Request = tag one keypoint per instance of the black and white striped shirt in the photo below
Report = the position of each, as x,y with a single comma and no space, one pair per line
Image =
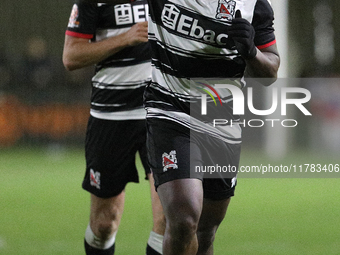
120,80
190,47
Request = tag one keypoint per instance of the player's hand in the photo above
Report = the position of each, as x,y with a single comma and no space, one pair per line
243,33
137,34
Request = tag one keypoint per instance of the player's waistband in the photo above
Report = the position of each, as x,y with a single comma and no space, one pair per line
230,134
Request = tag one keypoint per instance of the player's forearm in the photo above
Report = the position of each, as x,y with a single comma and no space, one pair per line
264,65
79,53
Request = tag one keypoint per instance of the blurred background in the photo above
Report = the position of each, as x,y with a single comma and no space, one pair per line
43,117
40,102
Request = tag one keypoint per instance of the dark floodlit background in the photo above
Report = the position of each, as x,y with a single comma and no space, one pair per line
43,117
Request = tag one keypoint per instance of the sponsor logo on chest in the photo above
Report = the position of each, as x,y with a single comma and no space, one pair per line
195,26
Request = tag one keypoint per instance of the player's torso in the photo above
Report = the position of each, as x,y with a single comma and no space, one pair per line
120,80
191,47
194,34
116,19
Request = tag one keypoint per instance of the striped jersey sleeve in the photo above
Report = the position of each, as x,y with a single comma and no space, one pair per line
83,20
262,22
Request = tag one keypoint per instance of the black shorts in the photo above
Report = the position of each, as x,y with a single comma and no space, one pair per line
111,148
174,151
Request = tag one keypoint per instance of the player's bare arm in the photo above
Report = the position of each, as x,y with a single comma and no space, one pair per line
264,65
80,52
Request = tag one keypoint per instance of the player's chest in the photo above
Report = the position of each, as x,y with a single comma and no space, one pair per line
219,10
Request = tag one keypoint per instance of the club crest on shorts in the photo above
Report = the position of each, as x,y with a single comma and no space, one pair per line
233,182
225,9
169,161
95,179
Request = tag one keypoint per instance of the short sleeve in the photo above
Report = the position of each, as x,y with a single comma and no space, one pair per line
262,22
83,20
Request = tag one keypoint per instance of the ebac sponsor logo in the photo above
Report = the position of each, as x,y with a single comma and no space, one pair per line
189,25
128,14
